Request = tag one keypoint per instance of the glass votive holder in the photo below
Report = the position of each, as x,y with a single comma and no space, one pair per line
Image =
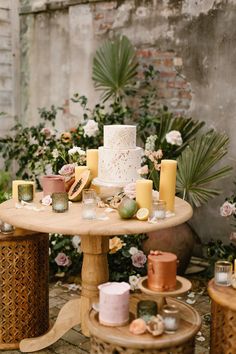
7,228
158,210
146,309
223,273
171,318
26,192
60,202
89,204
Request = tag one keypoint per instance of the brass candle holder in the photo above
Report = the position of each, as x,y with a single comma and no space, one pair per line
146,309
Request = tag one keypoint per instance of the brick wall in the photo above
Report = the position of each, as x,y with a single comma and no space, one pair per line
191,43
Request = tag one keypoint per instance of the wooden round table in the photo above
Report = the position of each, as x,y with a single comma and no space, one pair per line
223,322
95,246
119,340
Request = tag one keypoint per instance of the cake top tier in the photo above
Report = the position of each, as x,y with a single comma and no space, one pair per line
120,136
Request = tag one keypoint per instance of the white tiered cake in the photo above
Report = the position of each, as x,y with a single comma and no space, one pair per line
119,158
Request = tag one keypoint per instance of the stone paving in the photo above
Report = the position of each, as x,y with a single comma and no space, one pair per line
74,342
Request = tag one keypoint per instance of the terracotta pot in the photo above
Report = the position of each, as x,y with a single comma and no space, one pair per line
53,184
178,240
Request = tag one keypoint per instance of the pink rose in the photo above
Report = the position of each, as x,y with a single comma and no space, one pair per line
67,170
62,260
232,237
143,170
47,132
227,209
139,259
158,154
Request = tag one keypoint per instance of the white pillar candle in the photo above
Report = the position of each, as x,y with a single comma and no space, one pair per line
222,277
170,323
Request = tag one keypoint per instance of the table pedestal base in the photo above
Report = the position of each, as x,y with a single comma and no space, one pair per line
74,312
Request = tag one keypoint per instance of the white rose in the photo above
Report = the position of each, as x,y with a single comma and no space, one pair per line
91,128
75,150
133,280
227,209
55,153
174,138
133,250
76,240
47,200
48,169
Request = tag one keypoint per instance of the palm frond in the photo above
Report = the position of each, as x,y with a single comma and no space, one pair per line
196,167
114,67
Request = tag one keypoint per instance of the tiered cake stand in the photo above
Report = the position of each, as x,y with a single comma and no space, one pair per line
183,285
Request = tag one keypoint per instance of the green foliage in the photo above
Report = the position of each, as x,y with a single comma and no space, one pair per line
217,250
4,186
114,68
195,167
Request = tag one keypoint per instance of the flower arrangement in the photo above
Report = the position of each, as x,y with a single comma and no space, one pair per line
65,256
228,210
127,262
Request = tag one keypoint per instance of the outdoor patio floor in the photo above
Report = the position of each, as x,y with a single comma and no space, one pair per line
74,342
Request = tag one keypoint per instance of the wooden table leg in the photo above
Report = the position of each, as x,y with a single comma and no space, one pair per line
94,272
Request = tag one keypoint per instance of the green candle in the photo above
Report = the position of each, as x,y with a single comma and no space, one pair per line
26,192
60,202
146,309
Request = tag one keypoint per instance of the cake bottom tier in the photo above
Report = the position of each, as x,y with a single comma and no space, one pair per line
119,167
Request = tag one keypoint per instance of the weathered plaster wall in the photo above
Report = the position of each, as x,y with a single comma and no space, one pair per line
192,43
7,81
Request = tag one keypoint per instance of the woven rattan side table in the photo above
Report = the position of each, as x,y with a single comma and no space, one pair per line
24,310
118,340
223,323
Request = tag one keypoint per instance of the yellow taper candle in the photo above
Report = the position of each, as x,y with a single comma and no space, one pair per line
79,170
92,161
168,183
15,185
235,266
144,193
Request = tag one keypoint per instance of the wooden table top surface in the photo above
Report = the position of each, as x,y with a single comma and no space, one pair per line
71,222
222,295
